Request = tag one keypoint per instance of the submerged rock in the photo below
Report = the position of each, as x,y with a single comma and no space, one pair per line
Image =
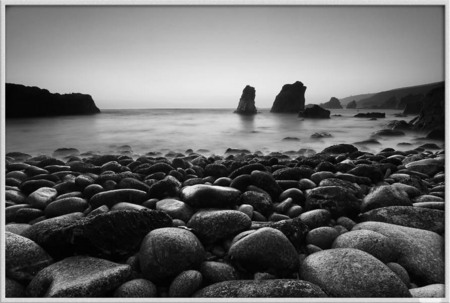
291,99
315,112
370,115
247,102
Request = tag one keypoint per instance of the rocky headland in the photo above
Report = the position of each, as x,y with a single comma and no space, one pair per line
26,101
338,223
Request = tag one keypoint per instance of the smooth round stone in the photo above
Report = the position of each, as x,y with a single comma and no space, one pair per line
23,257
275,217
15,196
261,203
14,289
376,244
246,209
427,166
176,209
41,197
273,288
284,206
312,249
204,196
65,206
321,175
410,216
266,182
27,215
111,197
30,186
131,183
17,228
429,291
223,181
185,284
11,211
347,272
77,194
420,252
90,190
101,210
383,196
84,180
127,206
213,225
346,222
137,288
79,276
400,271
322,237
214,272
295,211
292,173
166,252
316,218
19,175
430,205
368,171
339,201
428,198
340,229
305,184
247,169
410,190
264,250
353,187
295,194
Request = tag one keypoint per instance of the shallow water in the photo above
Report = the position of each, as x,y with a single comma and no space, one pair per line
215,130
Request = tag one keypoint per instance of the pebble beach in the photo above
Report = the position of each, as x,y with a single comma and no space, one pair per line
340,222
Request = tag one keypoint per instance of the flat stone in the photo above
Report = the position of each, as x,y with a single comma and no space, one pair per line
204,196
429,291
385,195
348,272
41,197
23,258
79,276
420,252
175,208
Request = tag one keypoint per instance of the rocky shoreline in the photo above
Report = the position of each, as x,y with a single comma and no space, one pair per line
339,223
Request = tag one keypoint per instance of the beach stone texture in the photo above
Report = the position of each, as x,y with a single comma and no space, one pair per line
276,288
383,196
79,276
347,272
210,196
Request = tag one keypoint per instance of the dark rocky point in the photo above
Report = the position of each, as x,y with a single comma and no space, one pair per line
291,99
370,115
247,102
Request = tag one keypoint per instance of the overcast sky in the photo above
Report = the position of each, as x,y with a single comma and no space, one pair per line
203,56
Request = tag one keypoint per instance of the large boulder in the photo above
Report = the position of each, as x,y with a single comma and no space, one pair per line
315,112
348,272
333,103
276,288
351,104
427,166
204,196
339,201
291,99
79,276
26,101
247,102
385,195
420,252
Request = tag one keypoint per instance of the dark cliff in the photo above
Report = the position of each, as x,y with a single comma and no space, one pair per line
26,101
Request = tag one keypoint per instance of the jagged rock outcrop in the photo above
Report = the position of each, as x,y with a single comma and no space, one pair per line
412,104
351,104
315,112
291,99
332,104
246,104
26,101
432,115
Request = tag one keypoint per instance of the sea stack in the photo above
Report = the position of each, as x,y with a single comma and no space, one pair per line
351,104
291,99
26,101
247,102
334,103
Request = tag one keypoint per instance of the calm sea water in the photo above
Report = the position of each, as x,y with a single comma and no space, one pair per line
215,130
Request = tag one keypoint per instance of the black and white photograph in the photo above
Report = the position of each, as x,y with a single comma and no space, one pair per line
165,151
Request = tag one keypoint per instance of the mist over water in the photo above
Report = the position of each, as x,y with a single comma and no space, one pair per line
215,130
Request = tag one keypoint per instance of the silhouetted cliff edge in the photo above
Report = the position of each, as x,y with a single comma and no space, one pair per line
27,101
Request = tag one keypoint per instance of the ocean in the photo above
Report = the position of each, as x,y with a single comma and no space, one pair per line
209,131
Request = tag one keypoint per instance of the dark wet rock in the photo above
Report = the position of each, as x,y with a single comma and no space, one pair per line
340,149
322,236
294,229
370,171
291,139
65,206
14,289
291,99
412,104
420,252
385,195
131,183
334,103
111,197
204,196
79,276
23,257
347,272
376,244
354,188
321,135
216,170
260,202
316,218
246,104
15,196
276,288
266,182
127,206
247,170
388,133
432,114
416,217
137,288
185,284
400,272
175,209
337,200
215,272
399,125
315,112
351,104
166,252
370,115
17,228
368,141
429,291
26,215
430,205
427,166
436,134
30,186
213,225
292,173
295,194
166,188
265,250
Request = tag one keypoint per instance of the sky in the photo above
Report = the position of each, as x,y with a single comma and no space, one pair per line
204,56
